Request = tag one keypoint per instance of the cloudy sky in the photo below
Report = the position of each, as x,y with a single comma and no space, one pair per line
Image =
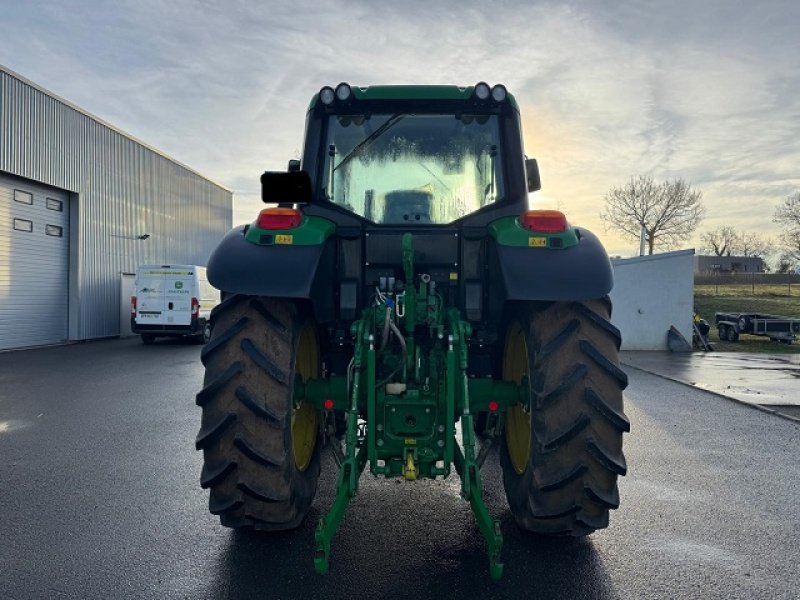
708,91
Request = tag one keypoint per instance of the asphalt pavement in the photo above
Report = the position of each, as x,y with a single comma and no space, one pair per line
765,381
100,498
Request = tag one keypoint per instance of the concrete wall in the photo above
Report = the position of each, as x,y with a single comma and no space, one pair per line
652,293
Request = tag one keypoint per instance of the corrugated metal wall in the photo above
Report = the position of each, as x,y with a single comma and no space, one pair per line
122,189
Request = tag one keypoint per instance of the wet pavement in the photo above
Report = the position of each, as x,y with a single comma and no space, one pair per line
100,498
769,382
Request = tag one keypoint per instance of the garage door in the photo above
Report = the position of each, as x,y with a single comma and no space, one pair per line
34,264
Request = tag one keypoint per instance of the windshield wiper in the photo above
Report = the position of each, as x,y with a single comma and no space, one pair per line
395,118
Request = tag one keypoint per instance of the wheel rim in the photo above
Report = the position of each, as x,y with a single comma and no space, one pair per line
518,418
305,418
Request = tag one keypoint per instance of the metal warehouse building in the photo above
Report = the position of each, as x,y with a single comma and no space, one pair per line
82,204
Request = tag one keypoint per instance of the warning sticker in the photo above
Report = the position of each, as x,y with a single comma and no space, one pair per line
537,242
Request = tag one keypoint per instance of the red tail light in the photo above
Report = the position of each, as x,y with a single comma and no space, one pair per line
279,218
544,221
195,308
133,306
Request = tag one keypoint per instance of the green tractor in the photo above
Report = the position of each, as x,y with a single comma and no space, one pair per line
402,306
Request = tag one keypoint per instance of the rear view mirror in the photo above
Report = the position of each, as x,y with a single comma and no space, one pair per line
532,173
280,187
294,165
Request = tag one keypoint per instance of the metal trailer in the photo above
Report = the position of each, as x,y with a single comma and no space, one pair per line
775,327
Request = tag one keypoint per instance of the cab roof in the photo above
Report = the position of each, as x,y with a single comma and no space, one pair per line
413,92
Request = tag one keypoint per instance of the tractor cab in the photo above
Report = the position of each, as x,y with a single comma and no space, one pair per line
415,155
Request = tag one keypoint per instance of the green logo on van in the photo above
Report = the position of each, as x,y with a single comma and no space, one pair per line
178,285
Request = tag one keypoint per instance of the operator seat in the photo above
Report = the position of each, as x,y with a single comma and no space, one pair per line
407,206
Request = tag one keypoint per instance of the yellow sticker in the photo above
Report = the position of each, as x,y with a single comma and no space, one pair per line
537,242
410,441
284,239
454,276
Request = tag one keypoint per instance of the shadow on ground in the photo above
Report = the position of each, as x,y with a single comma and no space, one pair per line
411,540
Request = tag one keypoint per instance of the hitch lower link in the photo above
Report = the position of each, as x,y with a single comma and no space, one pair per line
359,451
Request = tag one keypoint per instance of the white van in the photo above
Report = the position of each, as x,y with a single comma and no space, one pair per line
172,300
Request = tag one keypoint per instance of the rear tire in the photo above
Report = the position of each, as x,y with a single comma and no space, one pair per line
205,337
744,323
731,334
562,454
260,450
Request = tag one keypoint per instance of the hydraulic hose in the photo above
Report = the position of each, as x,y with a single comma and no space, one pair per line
386,324
400,339
399,366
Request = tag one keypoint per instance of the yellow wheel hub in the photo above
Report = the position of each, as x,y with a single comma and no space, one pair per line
305,418
518,417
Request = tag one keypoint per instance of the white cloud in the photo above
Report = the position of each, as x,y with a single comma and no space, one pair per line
709,92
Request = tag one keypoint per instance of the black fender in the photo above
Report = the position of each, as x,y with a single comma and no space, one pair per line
580,272
237,266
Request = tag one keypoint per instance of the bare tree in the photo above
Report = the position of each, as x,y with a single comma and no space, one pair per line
722,241
788,216
790,243
753,244
784,265
788,213
668,212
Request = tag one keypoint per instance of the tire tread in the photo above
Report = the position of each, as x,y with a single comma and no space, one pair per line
577,417
246,401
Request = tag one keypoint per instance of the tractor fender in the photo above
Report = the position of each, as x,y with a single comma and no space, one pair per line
237,266
580,272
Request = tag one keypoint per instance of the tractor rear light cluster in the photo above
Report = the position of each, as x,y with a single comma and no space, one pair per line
482,92
343,93
279,218
327,95
544,221
499,93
